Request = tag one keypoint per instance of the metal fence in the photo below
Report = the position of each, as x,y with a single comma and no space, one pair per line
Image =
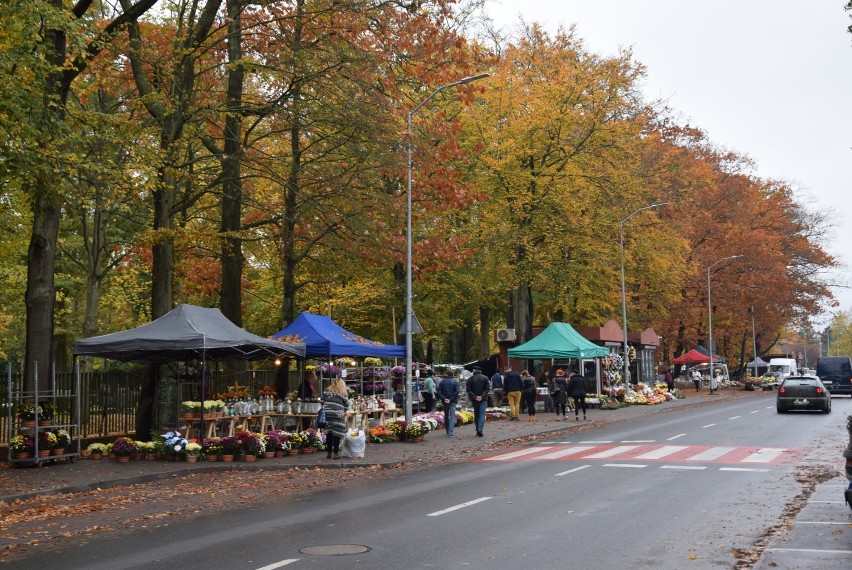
108,400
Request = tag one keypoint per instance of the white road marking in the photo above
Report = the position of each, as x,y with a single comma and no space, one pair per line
707,426
755,412
746,469
633,465
638,441
845,523
676,436
572,470
765,455
830,502
611,451
735,417
694,467
711,454
516,454
597,442
457,507
279,564
661,452
566,452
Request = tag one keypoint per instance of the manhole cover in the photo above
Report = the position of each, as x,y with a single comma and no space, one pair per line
335,549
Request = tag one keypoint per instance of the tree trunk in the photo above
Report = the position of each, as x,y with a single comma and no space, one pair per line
41,293
484,332
232,192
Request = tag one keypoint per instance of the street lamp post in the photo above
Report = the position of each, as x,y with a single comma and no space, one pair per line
409,311
710,315
623,291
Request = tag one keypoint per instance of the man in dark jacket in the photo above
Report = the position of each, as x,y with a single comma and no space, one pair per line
477,391
448,394
577,390
513,384
497,389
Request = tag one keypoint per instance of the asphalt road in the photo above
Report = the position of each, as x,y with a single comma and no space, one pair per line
701,488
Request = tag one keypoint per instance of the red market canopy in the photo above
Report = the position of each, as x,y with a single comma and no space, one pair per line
693,357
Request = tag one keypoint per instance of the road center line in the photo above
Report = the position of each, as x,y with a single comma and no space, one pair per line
707,426
597,442
275,565
735,417
638,441
693,467
676,436
755,412
633,465
746,469
572,470
457,507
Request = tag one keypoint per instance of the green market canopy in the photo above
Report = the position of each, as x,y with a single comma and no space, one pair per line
558,340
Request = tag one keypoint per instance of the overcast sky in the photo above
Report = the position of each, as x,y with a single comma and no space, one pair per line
768,79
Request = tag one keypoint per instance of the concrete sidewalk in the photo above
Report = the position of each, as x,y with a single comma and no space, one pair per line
20,483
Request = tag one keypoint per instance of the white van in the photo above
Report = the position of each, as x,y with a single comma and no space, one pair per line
781,368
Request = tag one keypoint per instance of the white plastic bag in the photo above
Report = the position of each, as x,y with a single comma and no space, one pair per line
354,444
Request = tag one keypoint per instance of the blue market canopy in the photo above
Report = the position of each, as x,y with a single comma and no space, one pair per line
184,333
558,340
323,337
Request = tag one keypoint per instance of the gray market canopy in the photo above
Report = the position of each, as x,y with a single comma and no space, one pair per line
184,333
558,340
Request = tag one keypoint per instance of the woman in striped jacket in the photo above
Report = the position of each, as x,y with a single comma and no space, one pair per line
335,403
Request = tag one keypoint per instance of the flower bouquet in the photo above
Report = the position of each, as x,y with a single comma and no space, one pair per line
312,439
173,443
415,431
27,411
397,427
211,446
96,450
22,445
124,447
381,434
63,438
230,445
46,440
250,443
273,441
148,449
192,449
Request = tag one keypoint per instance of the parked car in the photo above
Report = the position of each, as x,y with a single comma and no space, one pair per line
803,393
836,373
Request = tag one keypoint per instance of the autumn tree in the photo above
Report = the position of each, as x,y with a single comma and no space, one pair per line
52,43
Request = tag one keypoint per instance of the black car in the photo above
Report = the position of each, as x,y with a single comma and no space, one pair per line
803,393
836,373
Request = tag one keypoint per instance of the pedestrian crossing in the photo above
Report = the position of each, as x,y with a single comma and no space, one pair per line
689,454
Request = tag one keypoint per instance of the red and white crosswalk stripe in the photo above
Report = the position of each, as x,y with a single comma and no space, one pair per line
654,452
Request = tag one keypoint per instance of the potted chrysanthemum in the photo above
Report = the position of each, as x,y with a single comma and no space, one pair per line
123,448
22,446
192,451
96,450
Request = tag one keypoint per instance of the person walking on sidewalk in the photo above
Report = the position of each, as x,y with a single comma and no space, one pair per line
577,389
335,403
448,394
497,389
428,393
513,385
477,391
559,394
528,394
